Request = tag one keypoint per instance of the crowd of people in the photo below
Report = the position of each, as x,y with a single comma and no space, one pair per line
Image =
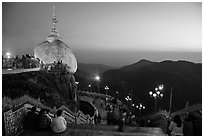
42,121
55,66
123,117
26,61
177,126
190,126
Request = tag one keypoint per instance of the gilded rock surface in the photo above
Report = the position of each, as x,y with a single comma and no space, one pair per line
53,51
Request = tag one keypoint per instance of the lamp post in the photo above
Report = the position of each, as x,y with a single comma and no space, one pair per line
129,99
106,88
140,107
89,87
97,78
156,94
117,94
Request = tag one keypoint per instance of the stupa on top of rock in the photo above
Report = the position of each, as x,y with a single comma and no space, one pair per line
54,50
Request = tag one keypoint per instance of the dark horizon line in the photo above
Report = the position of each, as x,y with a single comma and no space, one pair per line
139,61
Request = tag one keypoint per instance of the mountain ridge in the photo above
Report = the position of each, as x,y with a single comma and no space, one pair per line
184,76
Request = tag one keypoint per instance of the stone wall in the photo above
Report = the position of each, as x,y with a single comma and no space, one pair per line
13,120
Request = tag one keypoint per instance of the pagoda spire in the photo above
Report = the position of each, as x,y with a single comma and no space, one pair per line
53,33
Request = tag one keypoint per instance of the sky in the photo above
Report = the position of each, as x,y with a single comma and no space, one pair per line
114,34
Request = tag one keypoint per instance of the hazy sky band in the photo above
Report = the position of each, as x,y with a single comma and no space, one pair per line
91,28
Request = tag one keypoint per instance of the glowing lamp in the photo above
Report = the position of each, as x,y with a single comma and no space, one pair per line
97,78
161,87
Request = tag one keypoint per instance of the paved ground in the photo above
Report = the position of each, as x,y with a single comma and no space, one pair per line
98,130
15,71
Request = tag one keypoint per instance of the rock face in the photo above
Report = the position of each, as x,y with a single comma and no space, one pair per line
53,89
53,51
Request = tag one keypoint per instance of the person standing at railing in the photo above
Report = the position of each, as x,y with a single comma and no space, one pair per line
96,116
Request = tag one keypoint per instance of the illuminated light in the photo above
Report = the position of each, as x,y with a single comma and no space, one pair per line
158,92
161,95
140,105
116,92
161,87
133,104
143,107
156,89
8,54
106,88
89,85
77,82
126,98
154,95
97,78
137,106
150,93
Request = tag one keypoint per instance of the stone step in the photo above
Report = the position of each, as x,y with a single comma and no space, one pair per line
114,128
98,130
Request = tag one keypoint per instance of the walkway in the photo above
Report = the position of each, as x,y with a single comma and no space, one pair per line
15,71
98,130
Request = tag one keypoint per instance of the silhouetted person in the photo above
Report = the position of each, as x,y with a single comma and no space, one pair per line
30,121
142,122
96,116
47,114
149,124
113,117
99,119
44,121
176,126
127,119
109,117
121,120
192,125
132,120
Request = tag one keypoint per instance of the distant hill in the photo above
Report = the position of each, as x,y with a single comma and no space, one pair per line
138,65
93,68
184,77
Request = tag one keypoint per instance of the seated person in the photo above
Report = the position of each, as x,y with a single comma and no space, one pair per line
30,121
59,123
47,113
44,121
